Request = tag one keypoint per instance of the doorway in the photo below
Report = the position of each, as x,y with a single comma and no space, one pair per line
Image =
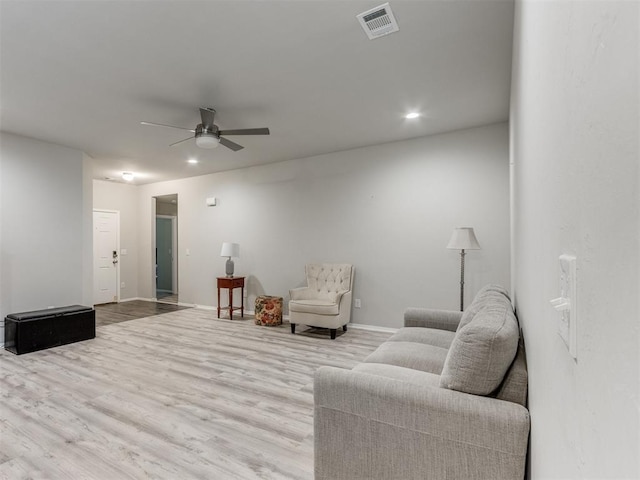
106,262
166,248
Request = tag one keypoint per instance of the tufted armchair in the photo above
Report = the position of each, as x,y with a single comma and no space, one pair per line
326,301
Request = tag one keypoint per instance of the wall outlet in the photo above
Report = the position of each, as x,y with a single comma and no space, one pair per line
122,285
358,303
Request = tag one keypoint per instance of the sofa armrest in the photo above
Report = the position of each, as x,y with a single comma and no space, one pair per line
369,426
429,318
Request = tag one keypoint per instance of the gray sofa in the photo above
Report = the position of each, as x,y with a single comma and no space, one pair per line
443,398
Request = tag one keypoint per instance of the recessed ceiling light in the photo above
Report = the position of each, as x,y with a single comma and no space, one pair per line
412,115
192,160
128,176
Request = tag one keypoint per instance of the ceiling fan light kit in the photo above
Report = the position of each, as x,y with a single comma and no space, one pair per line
207,141
208,135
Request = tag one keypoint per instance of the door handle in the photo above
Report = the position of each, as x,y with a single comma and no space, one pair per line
115,257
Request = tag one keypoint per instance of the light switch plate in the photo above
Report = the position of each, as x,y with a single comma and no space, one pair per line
568,316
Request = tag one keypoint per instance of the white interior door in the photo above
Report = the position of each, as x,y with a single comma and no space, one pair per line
105,256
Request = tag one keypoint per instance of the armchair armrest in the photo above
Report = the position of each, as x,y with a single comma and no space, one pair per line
369,426
430,318
302,293
337,296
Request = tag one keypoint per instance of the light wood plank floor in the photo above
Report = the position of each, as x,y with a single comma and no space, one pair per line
179,395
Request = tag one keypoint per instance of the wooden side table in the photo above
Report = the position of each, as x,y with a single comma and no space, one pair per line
230,283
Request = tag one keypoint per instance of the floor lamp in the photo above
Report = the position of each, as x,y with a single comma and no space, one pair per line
463,239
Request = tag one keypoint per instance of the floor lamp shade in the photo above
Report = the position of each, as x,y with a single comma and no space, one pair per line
230,250
463,238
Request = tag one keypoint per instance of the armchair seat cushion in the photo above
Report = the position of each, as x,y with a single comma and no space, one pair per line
426,358
316,306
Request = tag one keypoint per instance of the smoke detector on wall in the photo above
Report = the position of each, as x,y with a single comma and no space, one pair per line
378,21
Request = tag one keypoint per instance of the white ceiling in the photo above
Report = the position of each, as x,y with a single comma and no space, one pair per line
84,74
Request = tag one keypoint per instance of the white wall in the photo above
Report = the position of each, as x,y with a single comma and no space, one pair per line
576,190
45,202
124,199
388,209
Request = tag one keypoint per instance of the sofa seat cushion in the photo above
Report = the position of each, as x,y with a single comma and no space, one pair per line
418,356
317,306
482,351
428,336
403,374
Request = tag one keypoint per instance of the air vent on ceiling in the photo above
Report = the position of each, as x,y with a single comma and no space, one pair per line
378,21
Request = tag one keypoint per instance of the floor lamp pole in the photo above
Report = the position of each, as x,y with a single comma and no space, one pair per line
463,239
462,254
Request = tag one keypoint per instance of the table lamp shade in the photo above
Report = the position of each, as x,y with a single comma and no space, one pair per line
230,250
463,238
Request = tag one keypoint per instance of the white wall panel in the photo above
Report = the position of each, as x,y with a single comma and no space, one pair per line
388,209
576,191
45,197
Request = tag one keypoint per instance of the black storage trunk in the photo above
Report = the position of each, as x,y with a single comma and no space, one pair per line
30,331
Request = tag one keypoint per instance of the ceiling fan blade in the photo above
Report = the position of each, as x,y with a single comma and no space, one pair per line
207,115
176,143
229,144
246,131
170,126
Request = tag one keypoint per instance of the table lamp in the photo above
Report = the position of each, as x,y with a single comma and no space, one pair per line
230,250
463,238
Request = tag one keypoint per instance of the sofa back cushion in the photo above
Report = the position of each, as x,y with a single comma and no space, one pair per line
487,294
514,386
482,351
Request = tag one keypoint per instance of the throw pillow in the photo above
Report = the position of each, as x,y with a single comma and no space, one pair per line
482,351
486,294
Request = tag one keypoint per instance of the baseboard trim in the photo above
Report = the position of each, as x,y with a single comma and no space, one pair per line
122,300
372,328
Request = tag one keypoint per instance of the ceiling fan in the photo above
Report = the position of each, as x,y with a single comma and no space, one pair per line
208,135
